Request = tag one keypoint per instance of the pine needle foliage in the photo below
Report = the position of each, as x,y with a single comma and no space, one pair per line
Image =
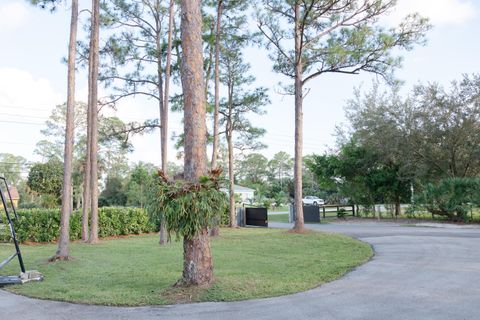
186,207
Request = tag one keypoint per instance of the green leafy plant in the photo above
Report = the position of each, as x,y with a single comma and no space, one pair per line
341,213
451,198
267,203
186,207
411,211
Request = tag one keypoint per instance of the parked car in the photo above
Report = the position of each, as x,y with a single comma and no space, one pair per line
312,200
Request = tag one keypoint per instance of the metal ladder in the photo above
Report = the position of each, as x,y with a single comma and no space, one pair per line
10,279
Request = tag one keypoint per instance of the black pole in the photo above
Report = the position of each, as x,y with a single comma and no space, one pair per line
12,229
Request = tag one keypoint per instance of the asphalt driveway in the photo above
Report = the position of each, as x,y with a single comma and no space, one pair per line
417,273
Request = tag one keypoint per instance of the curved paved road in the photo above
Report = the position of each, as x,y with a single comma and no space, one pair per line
417,273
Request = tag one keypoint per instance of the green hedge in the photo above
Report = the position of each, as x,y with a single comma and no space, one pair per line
43,225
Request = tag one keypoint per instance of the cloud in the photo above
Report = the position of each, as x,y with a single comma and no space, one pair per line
23,94
440,12
13,15
25,103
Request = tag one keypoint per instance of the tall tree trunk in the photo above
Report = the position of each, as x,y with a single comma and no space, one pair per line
198,265
87,196
163,102
217,85
161,99
79,203
67,196
167,89
163,126
398,209
298,167
86,201
71,186
231,190
208,72
93,101
216,229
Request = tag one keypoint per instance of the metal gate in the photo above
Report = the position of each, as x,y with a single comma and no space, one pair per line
310,214
256,217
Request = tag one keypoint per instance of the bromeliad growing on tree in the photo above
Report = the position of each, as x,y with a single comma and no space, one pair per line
188,208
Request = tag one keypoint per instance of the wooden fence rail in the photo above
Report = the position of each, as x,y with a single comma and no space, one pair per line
350,208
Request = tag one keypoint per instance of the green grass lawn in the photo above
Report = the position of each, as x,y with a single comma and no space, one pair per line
249,263
280,209
284,218
278,217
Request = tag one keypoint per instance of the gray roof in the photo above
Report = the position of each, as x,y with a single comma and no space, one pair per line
238,188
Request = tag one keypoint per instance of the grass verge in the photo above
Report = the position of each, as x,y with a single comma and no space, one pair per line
284,218
249,263
278,217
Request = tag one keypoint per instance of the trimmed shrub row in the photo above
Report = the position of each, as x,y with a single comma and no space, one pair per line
43,225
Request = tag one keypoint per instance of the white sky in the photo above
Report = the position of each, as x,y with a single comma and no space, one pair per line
33,78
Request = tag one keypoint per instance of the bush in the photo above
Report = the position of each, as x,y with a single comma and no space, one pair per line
28,205
341,213
267,203
43,225
187,208
451,198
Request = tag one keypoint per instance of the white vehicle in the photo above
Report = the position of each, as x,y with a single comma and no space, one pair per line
311,200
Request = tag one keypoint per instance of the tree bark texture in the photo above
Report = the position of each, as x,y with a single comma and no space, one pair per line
67,196
86,199
164,116
398,207
93,101
298,167
87,196
161,99
198,265
161,107
210,61
231,190
164,111
229,127
217,85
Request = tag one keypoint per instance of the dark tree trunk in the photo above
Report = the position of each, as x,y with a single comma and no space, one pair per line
67,196
198,265
398,208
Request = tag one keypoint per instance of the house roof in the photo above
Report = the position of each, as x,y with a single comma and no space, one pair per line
238,188
13,193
